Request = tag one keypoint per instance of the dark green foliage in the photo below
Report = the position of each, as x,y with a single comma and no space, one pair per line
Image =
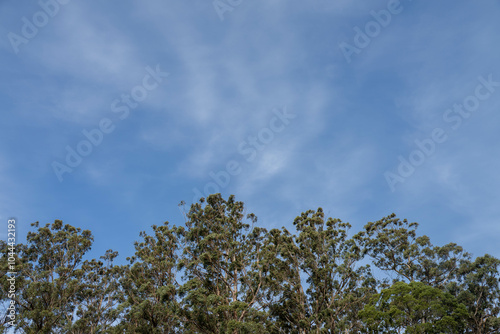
218,274
415,308
150,285
53,284
395,246
223,270
315,277
479,290
101,294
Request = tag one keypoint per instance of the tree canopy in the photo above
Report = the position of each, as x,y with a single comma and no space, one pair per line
218,272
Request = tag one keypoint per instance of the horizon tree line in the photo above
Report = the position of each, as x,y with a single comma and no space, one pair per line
218,273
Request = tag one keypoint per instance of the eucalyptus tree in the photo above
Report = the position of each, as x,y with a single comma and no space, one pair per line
150,284
395,247
217,273
414,308
49,275
57,291
100,296
316,278
479,290
223,269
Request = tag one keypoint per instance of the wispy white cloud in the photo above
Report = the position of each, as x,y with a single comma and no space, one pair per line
352,120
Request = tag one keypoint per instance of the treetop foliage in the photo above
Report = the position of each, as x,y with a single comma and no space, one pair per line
218,273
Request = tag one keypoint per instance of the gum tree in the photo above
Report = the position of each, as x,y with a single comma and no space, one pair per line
316,280
479,290
56,290
101,295
414,308
222,266
49,277
150,286
395,247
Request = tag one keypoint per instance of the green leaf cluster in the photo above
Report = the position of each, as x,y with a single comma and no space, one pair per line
220,273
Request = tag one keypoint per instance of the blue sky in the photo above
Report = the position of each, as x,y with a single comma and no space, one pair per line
362,108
